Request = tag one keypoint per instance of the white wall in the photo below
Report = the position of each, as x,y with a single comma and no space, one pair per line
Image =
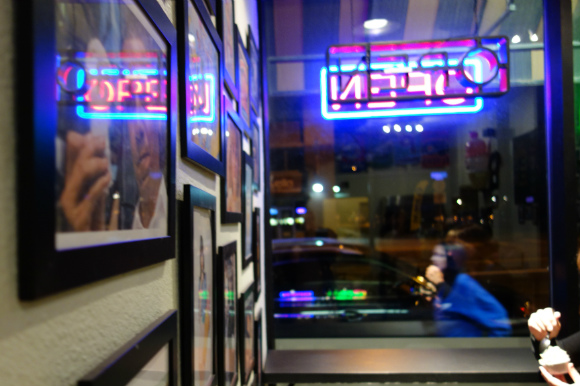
57,340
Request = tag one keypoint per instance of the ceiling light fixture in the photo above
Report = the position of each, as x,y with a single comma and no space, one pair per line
374,24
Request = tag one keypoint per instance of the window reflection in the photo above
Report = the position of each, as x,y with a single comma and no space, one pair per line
360,207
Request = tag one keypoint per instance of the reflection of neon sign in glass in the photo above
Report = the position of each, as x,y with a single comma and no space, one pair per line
101,89
419,78
202,98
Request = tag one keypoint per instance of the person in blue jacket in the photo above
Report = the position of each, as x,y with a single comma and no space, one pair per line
462,307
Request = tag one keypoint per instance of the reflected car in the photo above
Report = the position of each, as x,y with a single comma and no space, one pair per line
322,278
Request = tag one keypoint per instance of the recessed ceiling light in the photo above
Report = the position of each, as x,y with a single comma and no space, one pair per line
516,39
375,24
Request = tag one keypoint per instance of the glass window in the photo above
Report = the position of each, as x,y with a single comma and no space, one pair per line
398,195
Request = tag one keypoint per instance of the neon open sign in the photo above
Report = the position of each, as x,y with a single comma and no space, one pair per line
413,78
120,86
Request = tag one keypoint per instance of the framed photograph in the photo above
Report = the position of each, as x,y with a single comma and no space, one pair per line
246,322
200,87
197,289
256,151
257,253
149,359
226,24
248,199
258,349
255,76
227,330
232,210
97,139
243,80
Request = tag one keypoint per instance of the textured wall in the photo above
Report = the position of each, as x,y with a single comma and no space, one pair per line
55,341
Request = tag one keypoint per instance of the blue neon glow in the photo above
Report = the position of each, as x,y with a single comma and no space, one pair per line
151,116
126,72
80,98
438,176
147,71
391,112
81,75
94,72
301,210
212,115
273,212
110,71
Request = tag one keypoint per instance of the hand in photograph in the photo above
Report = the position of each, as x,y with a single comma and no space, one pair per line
86,182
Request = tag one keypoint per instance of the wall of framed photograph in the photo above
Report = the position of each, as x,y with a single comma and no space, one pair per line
232,206
228,308
200,74
247,334
226,24
97,142
243,80
197,289
248,200
148,359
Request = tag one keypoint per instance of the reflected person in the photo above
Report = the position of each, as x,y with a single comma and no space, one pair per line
462,307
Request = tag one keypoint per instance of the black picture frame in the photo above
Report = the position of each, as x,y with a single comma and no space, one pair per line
211,6
226,27
158,340
246,334
44,267
227,333
255,73
201,133
243,80
256,150
257,255
258,349
232,187
247,209
198,219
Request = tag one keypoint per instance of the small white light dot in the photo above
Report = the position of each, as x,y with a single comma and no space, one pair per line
375,23
516,39
204,130
459,201
493,198
408,128
534,37
387,129
318,188
505,198
419,128
397,128
336,188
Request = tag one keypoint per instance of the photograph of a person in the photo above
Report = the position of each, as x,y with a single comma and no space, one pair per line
233,167
203,369
111,143
202,87
230,336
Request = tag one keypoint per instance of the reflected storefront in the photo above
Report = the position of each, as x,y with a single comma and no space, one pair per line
409,167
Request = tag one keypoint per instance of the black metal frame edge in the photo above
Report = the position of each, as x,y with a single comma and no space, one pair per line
256,142
121,366
232,217
246,161
267,255
241,338
193,197
222,252
256,219
42,269
190,150
560,150
258,328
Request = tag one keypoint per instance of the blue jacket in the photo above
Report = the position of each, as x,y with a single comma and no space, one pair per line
469,310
